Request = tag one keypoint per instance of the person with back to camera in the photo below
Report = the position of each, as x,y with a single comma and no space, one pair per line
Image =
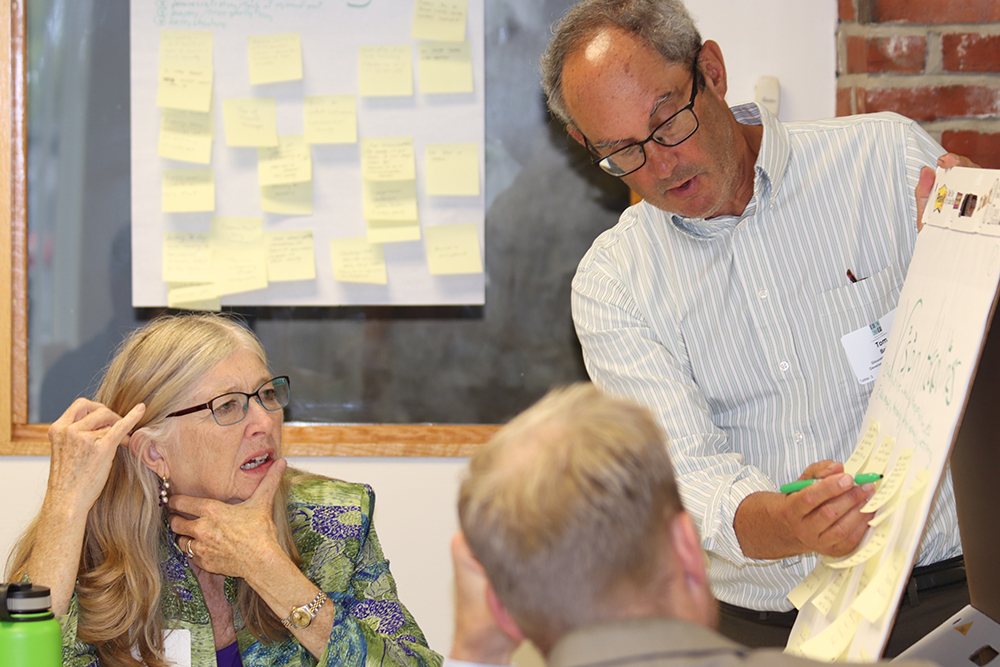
181,514
720,300
574,536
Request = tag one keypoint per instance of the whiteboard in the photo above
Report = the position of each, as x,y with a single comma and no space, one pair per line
331,32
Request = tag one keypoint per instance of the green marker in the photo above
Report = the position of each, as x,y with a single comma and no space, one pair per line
792,487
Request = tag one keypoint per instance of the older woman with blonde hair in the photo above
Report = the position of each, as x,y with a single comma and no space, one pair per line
176,529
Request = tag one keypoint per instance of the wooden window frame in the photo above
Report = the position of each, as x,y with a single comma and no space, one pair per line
17,436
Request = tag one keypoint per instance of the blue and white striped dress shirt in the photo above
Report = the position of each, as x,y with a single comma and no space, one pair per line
729,328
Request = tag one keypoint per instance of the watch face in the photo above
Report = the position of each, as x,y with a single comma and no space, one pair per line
301,618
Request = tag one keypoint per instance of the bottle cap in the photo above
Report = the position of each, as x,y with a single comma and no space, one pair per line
18,599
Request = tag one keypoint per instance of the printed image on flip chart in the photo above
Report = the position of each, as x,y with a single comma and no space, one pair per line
847,605
263,140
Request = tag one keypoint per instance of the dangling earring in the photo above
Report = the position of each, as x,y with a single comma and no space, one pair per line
164,490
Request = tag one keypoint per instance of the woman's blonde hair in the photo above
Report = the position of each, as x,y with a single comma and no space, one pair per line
119,579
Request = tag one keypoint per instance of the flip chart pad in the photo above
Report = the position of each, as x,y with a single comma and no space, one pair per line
452,169
330,119
444,67
358,261
385,71
275,58
250,121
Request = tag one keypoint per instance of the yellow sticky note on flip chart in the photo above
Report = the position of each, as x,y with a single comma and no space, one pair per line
444,67
238,254
187,257
358,261
387,159
385,71
186,190
290,255
390,200
453,249
193,296
891,483
250,121
287,198
185,70
440,19
393,232
274,58
452,169
863,450
186,135
288,162
331,119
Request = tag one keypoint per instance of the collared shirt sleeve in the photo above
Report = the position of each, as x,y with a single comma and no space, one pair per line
624,358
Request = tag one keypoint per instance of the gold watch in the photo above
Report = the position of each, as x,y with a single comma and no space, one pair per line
301,617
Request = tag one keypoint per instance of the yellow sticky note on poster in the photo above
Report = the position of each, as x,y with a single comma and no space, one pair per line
863,450
185,70
187,190
187,257
390,200
193,296
393,232
288,162
331,119
358,261
186,135
238,254
385,71
452,169
880,457
453,249
287,198
442,20
290,255
275,58
250,121
387,159
444,67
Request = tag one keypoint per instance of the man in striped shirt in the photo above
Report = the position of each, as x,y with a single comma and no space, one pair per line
720,300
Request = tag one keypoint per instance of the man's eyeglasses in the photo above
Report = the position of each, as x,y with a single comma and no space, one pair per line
673,131
231,408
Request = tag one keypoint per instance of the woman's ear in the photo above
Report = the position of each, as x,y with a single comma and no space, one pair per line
147,451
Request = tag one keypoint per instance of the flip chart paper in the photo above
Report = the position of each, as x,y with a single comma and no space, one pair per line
358,261
331,119
250,121
274,58
387,159
444,67
440,19
187,190
385,71
452,169
290,255
453,249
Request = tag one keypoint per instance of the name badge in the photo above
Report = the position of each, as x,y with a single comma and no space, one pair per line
866,346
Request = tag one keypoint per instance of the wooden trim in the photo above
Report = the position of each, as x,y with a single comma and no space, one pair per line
17,436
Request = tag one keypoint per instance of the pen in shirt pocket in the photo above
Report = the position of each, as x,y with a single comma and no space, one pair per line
852,277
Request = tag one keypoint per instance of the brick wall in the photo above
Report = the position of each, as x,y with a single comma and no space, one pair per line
936,61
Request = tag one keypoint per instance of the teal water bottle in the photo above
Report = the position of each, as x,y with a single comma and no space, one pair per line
29,633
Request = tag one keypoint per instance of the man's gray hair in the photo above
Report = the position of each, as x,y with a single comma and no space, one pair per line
663,25
567,506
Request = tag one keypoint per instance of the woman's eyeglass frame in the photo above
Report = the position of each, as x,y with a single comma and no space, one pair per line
275,382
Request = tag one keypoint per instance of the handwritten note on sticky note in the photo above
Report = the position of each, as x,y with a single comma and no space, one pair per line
238,254
872,544
385,71
875,598
827,596
358,261
863,450
389,200
197,296
393,232
187,257
453,249
186,135
452,169
918,485
795,642
809,586
288,162
186,190
833,640
185,70
331,119
880,458
250,121
891,483
444,67
275,58
442,20
387,159
287,198
290,255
